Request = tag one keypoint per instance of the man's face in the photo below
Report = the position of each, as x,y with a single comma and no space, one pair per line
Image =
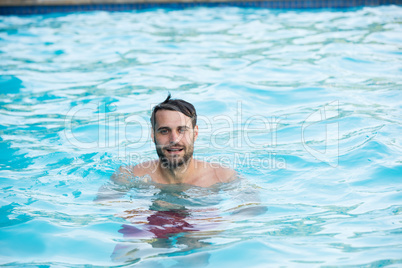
174,137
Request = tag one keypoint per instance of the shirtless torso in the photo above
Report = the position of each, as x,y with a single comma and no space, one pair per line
198,173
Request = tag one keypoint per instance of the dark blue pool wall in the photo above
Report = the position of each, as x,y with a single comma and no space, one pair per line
301,4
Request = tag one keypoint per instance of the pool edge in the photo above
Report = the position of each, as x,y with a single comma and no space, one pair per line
30,7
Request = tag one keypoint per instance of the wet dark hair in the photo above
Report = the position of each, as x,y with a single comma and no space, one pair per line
177,105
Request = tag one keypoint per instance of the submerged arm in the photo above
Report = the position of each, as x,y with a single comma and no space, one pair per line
118,185
248,198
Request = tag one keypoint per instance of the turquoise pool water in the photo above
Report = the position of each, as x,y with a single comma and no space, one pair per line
305,105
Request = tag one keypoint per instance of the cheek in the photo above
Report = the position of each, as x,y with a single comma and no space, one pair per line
159,139
189,138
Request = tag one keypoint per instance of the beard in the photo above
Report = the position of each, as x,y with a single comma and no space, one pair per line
175,161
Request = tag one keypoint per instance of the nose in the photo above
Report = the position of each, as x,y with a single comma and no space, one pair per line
175,137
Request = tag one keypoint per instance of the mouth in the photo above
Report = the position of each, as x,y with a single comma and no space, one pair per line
174,150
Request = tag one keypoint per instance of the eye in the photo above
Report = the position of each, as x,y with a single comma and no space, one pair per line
163,131
182,130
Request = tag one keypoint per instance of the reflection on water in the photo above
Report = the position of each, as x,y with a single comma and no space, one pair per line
180,218
167,227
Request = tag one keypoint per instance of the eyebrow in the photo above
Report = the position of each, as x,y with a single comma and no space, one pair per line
161,128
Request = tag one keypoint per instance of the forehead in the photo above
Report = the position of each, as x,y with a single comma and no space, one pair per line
167,118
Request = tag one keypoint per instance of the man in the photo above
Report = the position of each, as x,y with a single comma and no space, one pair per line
174,131
168,221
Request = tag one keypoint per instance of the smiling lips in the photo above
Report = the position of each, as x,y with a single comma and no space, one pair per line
174,150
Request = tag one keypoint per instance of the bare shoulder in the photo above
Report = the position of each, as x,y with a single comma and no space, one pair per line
145,168
225,174
216,173
124,173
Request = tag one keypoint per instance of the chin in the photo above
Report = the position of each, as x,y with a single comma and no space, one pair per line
172,165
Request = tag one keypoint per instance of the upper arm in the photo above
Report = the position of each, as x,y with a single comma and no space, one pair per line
122,175
120,179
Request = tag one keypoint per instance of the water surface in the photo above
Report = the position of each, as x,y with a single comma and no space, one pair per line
305,105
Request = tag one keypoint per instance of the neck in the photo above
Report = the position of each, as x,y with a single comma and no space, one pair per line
178,174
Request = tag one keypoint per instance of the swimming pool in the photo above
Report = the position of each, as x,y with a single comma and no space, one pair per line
306,105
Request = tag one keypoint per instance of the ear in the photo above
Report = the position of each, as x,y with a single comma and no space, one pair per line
152,135
195,133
